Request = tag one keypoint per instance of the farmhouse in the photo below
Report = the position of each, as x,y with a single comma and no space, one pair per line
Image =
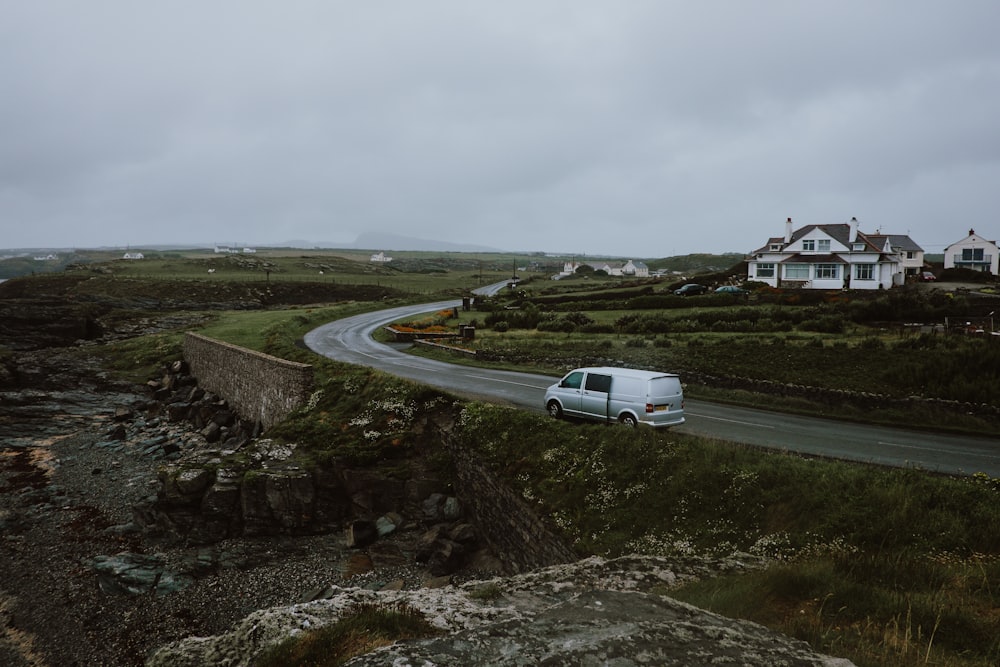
133,255
973,252
837,256
380,258
629,268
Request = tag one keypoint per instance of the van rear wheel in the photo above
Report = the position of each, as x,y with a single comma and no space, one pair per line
628,420
554,409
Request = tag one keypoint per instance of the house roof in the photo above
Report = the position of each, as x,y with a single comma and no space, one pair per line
841,232
900,241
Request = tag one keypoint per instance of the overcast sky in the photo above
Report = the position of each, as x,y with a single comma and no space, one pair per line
630,128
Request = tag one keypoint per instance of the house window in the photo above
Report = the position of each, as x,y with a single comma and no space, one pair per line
864,272
823,245
972,254
827,271
910,254
796,272
765,270
858,247
809,244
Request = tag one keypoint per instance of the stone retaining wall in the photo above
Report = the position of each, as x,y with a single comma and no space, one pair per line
259,387
514,532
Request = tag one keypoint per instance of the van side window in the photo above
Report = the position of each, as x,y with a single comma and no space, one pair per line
572,381
596,382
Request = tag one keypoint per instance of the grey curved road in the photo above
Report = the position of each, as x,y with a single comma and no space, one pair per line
350,340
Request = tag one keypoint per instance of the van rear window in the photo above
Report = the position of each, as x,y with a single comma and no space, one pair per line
665,386
628,387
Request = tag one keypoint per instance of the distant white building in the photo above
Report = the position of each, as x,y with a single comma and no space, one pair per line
629,268
973,252
133,255
249,251
381,258
637,269
226,250
45,258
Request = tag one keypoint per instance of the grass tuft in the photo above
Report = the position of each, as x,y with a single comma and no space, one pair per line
361,630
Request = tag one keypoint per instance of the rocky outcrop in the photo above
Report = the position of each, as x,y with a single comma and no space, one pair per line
33,324
590,612
226,483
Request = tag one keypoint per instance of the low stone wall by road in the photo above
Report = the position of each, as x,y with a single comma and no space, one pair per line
258,387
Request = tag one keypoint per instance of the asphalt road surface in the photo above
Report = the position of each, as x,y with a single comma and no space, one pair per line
350,340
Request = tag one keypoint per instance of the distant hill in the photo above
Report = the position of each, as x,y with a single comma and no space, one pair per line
383,241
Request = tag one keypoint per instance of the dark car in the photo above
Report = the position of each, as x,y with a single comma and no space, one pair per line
691,289
730,289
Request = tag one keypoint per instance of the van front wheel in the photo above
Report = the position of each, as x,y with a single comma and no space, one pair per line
555,410
628,420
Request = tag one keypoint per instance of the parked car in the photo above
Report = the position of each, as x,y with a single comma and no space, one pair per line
691,289
623,395
730,289
927,276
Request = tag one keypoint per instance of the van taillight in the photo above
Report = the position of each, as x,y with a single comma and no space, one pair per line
649,407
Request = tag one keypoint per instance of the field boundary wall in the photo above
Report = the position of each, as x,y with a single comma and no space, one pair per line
259,387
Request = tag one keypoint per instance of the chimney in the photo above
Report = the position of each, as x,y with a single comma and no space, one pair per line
972,232
788,231
854,230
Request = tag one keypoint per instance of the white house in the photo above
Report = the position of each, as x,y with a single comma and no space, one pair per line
629,268
133,255
911,256
834,256
637,269
569,268
380,257
973,252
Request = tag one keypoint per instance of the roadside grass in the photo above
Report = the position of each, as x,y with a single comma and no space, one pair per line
257,329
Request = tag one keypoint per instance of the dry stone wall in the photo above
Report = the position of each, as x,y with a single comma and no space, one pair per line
257,386
515,533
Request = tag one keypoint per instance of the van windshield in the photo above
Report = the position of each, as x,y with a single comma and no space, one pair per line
573,380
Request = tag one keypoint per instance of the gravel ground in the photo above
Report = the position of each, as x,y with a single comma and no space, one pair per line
65,500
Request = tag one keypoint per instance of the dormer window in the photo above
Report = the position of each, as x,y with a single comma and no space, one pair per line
823,245
858,247
775,247
809,245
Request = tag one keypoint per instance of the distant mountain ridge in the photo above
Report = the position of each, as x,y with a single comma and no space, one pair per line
385,241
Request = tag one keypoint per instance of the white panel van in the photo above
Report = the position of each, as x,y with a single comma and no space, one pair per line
624,395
